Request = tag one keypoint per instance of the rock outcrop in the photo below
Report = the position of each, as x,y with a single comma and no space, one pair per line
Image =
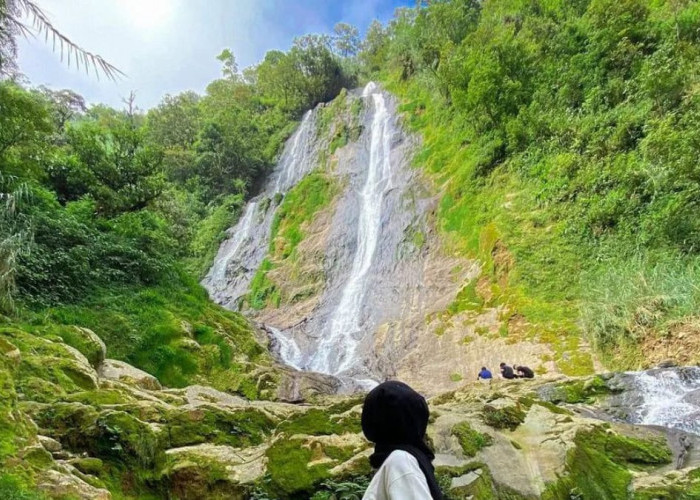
79,434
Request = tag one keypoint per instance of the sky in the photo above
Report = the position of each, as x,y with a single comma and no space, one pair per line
169,46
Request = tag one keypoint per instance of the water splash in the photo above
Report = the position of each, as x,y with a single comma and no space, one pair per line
336,350
669,398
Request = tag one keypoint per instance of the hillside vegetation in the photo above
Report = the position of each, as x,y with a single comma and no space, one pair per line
563,137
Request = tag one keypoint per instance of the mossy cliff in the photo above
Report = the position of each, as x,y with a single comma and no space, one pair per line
69,430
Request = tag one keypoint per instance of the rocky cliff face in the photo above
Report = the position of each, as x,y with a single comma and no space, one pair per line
364,288
96,428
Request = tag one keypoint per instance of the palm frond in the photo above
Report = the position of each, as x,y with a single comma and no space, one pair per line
70,51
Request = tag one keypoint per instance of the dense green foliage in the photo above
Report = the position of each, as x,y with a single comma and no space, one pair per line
112,215
564,138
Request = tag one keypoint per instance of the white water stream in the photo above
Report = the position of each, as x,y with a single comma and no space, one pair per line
231,247
670,398
242,253
336,349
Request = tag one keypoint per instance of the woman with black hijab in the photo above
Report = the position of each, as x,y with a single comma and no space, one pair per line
394,418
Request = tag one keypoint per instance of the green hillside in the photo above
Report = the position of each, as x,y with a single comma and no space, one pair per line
563,138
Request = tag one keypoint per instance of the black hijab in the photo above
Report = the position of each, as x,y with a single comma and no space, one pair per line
395,417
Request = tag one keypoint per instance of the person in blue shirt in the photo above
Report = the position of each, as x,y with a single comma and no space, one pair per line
484,374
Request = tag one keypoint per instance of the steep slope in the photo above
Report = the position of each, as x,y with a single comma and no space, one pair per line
352,278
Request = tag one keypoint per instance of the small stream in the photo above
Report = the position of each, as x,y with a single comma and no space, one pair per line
667,397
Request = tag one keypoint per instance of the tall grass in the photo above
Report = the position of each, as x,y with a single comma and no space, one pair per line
625,300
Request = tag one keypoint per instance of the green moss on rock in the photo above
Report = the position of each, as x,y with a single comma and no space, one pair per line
321,422
214,425
622,449
122,438
470,439
73,424
576,391
503,417
89,465
289,470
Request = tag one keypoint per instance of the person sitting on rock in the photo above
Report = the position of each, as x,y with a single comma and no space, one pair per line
484,374
524,372
395,418
507,371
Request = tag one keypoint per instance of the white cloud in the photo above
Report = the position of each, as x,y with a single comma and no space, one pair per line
168,46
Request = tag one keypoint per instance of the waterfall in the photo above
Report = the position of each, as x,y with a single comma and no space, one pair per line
361,248
242,253
669,398
229,249
336,349
286,347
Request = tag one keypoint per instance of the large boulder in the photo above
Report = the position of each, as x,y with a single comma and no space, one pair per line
296,386
211,471
62,485
92,346
113,369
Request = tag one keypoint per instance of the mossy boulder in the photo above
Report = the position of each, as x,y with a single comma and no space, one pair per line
290,469
212,471
73,424
113,369
646,448
575,391
48,370
318,422
37,456
9,351
503,414
123,438
472,481
210,424
598,466
470,439
88,465
83,339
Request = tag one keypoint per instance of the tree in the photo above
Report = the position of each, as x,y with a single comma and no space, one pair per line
322,76
112,165
230,67
279,79
174,125
13,236
65,105
374,47
346,40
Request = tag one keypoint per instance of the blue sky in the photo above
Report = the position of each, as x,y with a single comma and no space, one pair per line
168,46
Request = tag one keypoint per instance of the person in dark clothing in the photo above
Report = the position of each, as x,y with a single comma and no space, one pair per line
507,371
395,418
484,374
524,372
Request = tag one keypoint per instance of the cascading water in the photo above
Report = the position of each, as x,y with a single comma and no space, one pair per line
336,349
230,248
357,267
240,255
287,349
669,398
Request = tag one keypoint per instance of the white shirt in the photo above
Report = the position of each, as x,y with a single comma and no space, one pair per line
399,478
